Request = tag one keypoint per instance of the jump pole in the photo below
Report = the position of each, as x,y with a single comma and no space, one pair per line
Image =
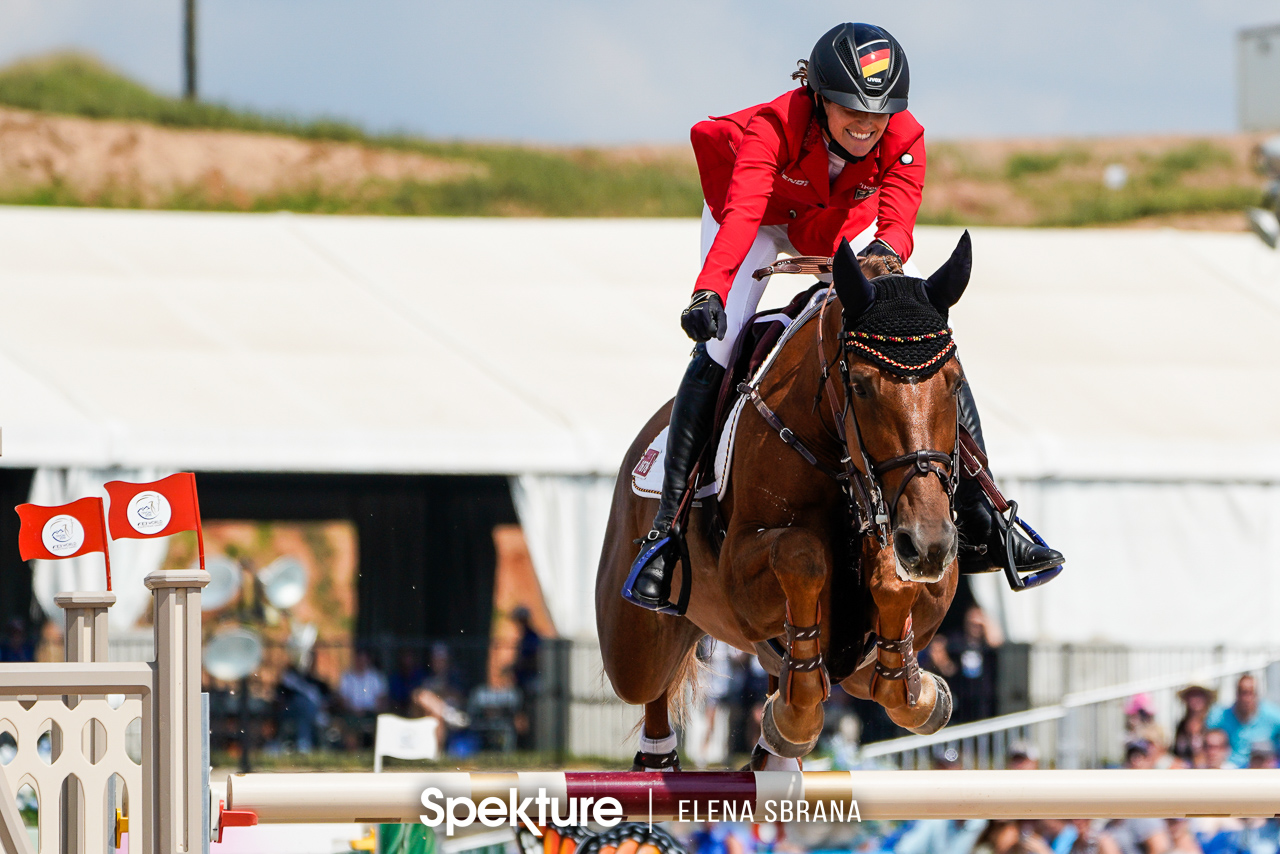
396,798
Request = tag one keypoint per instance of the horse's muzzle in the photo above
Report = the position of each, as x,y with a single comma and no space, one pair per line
924,556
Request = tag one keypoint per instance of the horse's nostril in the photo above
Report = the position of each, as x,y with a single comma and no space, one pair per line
905,546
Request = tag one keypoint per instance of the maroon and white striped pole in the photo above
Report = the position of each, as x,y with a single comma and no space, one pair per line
397,798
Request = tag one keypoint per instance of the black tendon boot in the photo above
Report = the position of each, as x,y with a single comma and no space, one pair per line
649,582
983,546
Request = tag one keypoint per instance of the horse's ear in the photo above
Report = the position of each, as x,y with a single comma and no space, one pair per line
855,291
945,286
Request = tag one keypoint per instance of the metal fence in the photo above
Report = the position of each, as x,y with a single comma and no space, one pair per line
1083,729
576,713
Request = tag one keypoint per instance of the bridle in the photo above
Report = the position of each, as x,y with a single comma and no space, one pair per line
863,486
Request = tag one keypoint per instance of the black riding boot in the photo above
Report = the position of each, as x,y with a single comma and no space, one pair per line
691,415
983,546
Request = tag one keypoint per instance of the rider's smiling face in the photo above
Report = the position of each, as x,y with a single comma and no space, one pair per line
856,131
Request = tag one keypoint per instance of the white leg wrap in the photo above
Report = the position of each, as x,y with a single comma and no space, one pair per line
658,746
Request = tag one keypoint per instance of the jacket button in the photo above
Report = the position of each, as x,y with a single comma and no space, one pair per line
791,214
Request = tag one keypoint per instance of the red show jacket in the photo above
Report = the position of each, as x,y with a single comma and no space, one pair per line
767,165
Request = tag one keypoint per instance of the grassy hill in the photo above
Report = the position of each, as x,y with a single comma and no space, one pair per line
1193,181
508,180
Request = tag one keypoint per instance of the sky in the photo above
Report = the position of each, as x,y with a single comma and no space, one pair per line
607,72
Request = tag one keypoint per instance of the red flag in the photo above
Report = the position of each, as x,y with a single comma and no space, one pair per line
54,533
146,510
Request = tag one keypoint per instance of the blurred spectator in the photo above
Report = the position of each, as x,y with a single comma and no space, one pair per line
443,679
1140,753
1023,756
403,681
1262,755
845,744
525,668
304,700
441,694
17,646
363,692
1006,837
1089,840
971,658
1140,723
525,673
939,835
1139,835
1217,749
1188,738
747,689
1055,834
707,735
1247,721
1182,839
715,837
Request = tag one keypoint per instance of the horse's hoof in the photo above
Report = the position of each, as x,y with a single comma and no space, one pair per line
763,760
777,742
941,713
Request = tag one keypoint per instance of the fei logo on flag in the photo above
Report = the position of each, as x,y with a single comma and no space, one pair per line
62,535
149,512
68,530
145,510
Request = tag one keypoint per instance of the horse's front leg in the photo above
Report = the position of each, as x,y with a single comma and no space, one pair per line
914,699
801,562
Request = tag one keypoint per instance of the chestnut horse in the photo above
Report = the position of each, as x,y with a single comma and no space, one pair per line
837,568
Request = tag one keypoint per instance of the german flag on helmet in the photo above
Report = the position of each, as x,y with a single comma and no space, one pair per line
873,61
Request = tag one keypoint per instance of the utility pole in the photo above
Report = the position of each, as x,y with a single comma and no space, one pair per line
189,50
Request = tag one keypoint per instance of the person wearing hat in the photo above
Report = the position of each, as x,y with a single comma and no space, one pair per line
1247,721
838,158
1188,738
1140,722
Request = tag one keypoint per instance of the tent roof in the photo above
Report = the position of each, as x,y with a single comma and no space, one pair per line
278,342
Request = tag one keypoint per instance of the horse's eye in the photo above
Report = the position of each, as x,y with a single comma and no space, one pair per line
858,388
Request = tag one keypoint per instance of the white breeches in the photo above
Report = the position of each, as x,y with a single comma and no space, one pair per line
744,295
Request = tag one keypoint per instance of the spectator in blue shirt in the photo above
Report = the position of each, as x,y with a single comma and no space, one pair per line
1247,721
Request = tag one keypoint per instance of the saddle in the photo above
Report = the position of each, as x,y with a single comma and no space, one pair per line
759,338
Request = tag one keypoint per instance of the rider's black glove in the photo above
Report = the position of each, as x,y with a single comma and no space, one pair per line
704,319
879,247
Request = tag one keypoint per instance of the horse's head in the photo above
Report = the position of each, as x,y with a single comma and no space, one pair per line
901,380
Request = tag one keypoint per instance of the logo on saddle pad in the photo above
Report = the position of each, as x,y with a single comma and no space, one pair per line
149,512
646,463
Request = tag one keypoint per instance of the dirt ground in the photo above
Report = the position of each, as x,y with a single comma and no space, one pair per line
150,164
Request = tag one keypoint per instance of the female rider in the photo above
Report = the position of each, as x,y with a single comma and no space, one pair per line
839,157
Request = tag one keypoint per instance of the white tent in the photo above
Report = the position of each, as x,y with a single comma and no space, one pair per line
1123,378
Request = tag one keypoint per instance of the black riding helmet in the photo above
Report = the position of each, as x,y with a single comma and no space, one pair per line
862,67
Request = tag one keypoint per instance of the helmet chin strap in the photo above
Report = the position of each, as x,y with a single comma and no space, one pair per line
836,148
